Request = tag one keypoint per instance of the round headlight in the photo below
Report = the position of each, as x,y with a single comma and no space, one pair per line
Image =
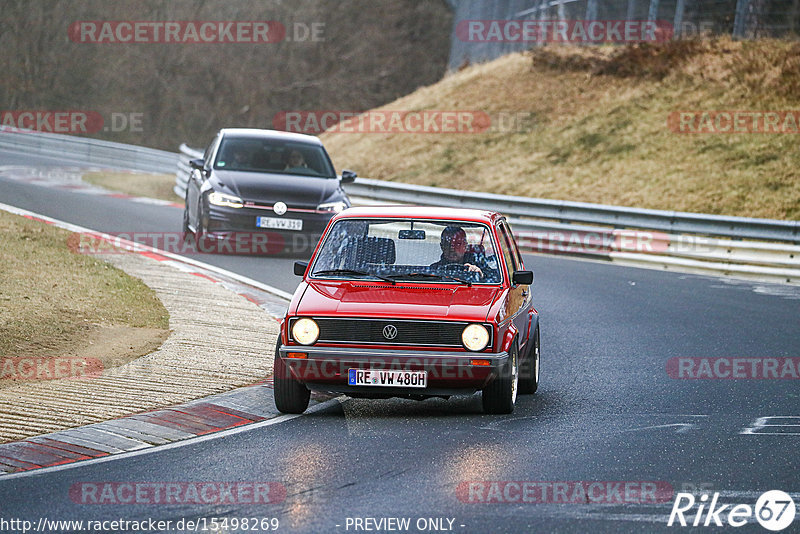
475,337
305,331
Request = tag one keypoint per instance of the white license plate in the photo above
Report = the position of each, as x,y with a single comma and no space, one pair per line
279,224
375,377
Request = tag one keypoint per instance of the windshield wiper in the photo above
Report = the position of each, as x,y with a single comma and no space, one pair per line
353,272
431,275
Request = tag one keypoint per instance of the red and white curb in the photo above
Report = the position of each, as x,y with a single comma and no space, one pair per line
214,417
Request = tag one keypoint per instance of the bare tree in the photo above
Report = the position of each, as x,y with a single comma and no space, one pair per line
370,52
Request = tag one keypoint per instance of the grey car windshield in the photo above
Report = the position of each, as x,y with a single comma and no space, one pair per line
265,155
409,250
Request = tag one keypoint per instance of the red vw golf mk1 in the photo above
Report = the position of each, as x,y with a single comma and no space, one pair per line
411,302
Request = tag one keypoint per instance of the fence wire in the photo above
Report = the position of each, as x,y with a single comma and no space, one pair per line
742,19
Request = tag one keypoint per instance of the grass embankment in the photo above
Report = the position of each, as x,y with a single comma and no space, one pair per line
599,131
136,184
55,303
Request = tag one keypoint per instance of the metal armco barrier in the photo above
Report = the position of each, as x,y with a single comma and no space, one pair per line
775,262
582,212
182,176
94,151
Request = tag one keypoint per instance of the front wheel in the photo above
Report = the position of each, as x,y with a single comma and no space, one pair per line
529,368
501,393
186,232
290,395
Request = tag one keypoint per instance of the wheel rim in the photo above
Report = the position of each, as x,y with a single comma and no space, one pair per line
536,360
514,377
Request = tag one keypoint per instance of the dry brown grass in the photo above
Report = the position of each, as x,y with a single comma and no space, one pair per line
56,303
600,129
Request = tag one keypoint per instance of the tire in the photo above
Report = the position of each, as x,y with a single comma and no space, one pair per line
186,232
529,367
201,241
501,393
290,395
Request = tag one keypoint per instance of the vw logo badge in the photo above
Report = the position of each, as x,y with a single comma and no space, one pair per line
390,331
279,208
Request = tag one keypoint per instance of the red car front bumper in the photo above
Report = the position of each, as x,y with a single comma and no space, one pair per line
449,373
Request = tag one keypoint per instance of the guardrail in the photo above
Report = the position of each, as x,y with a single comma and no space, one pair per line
86,150
668,240
182,176
582,212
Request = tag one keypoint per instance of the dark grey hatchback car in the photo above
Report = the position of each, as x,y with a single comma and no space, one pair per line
262,192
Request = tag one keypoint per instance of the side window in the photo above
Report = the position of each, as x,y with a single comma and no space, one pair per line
507,254
210,151
519,265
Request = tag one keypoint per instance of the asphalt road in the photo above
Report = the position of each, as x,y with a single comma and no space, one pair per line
606,412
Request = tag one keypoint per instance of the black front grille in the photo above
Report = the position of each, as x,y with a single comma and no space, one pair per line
371,331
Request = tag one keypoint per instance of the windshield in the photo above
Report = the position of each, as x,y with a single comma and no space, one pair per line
401,250
268,155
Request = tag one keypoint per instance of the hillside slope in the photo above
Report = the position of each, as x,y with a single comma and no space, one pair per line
599,130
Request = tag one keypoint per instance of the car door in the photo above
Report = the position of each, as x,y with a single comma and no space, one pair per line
519,300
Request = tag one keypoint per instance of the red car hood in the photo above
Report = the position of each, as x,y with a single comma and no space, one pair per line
417,301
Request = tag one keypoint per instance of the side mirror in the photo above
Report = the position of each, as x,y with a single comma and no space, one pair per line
348,176
300,267
198,164
522,277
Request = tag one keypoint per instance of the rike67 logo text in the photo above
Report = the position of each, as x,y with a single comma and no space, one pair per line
774,510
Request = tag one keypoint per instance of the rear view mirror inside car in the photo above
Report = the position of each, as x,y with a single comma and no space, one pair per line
411,234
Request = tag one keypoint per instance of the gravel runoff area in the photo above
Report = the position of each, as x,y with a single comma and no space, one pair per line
219,340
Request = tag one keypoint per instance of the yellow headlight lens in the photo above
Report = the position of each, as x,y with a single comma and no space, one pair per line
305,331
475,337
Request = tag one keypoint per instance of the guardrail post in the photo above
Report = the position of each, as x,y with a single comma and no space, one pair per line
591,9
740,23
652,13
677,22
